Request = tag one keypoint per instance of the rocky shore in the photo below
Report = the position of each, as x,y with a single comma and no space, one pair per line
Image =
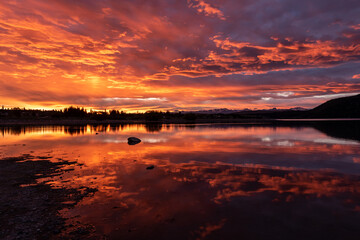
29,209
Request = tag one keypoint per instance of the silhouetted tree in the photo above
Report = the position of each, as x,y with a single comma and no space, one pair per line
75,112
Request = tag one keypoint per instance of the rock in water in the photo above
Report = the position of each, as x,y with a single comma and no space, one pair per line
150,167
133,140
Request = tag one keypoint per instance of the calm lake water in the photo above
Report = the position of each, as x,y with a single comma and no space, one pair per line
210,181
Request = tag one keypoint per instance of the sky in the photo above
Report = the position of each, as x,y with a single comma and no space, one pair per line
138,55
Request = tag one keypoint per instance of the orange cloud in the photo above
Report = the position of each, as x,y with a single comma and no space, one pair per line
202,7
59,53
245,58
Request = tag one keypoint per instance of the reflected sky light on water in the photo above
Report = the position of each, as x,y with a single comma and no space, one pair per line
209,181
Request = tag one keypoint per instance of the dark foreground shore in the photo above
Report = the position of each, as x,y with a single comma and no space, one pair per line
29,209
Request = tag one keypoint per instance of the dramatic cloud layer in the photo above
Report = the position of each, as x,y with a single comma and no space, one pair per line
177,54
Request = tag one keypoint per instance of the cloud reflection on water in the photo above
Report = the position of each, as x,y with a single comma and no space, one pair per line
209,181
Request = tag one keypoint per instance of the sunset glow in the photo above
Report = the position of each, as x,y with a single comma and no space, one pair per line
177,54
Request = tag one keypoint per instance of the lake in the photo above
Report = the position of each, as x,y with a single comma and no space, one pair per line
206,181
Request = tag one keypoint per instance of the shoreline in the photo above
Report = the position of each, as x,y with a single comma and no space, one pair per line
30,209
170,121
96,122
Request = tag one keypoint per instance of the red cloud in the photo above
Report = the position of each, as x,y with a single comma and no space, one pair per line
246,58
202,7
62,53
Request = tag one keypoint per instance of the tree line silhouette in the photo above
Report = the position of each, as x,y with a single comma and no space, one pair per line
79,113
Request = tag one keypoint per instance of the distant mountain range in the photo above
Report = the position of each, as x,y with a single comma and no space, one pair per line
345,107
230,111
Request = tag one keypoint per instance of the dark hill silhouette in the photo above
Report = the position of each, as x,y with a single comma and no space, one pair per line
346,107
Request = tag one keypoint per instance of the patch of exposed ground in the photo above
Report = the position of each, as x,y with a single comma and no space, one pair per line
29,209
